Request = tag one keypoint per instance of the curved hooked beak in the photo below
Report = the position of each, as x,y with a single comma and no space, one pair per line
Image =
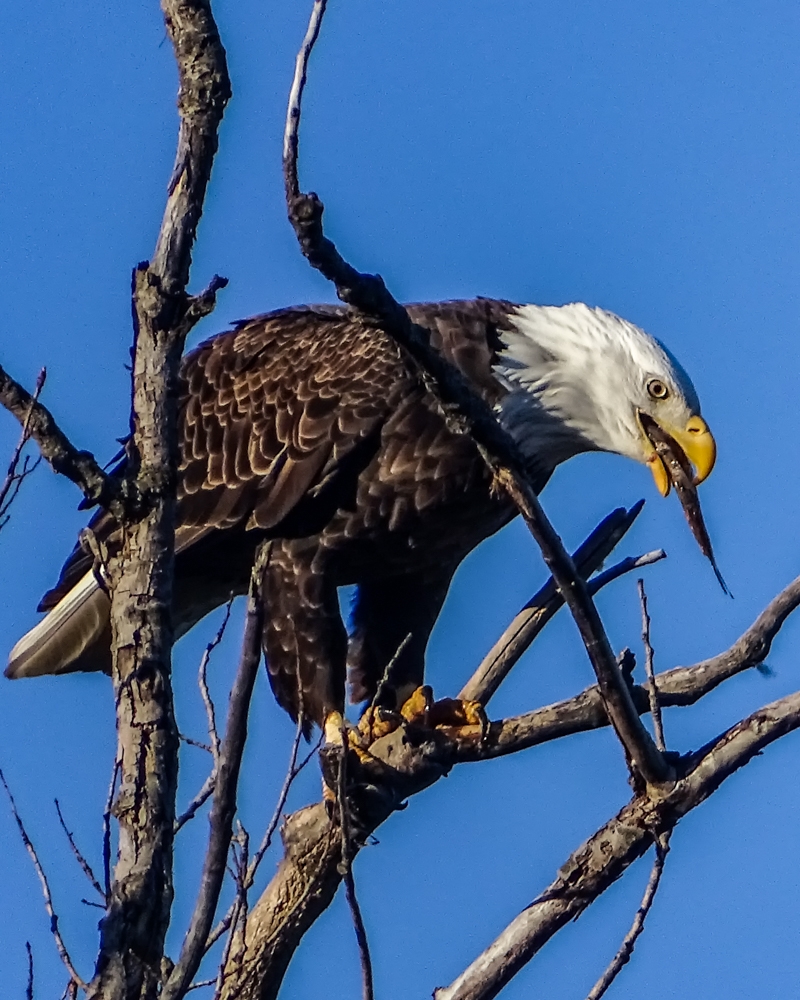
695,440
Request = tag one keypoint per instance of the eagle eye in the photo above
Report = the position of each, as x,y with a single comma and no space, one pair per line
657,389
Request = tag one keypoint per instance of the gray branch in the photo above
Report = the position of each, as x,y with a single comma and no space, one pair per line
226,783
598,863
308,875
135,925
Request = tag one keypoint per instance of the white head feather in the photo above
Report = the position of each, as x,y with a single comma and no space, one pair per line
576,377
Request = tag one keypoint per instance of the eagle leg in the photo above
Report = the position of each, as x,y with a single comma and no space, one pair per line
392,620
305,641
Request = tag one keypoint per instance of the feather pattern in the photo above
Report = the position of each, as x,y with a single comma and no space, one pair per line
311,427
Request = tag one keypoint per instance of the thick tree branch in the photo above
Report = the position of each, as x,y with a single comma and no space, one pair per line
591,869
682,686
471,414
133,931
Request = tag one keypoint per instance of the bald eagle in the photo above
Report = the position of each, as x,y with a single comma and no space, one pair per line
311,427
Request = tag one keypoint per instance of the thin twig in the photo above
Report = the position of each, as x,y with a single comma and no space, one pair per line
107,829
294,110
233,920
230,918
29,989
48,899
469,413
87,868
203,683
387,672
209,784
14,479
367,988
195,743
240,907
197,802
623,956
655,707
292,771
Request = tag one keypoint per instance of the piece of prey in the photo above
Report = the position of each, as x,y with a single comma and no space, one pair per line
681,475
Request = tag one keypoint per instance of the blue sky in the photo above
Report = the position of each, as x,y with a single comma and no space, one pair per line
638,157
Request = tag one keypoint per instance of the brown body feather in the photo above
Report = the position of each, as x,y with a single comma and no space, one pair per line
314,429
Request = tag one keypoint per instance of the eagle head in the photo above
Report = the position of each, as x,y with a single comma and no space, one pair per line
583,379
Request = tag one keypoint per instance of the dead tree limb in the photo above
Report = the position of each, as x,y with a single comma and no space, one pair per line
471,414
532,618
78,466
133,931
223,808
623,956
594,866
308,876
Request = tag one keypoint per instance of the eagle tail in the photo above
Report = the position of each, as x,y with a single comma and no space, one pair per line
74,635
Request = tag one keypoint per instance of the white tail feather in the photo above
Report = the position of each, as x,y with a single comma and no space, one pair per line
59,640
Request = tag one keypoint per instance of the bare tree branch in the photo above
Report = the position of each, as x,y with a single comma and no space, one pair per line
133,931
605,856
224,805
87,868
203,684
346,871
470,413
229,920
681,686
308,875
623,956
78,466
652,686
533,617
29,987
14,480
625,951
205,793
107,830
48,898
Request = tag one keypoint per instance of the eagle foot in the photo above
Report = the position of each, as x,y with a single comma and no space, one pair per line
423,711
448,713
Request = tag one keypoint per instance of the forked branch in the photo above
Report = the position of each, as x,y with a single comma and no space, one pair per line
471,414
594,866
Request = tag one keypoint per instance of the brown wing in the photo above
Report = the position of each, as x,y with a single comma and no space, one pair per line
270,411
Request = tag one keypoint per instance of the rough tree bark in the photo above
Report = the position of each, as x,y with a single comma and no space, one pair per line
135,925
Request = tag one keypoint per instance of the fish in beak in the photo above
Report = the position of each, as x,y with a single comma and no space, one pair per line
683,458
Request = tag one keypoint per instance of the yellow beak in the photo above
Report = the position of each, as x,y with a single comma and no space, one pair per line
698,443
